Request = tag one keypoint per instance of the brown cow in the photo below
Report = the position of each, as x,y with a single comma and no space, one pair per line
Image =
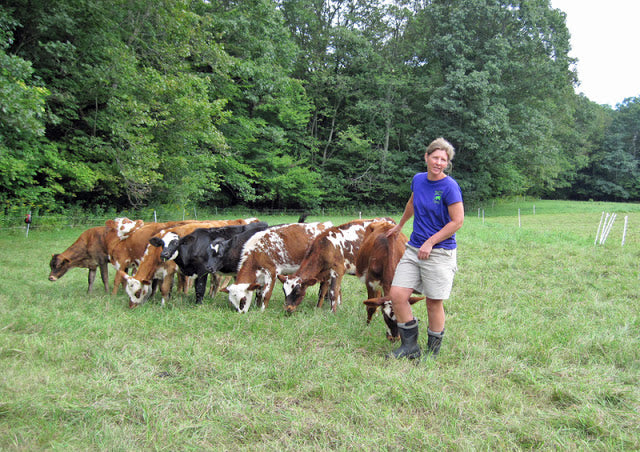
375,266
377,260
267,254
91,250
88,251
152,267
331,255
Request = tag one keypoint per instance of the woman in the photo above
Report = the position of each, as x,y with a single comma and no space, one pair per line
429,262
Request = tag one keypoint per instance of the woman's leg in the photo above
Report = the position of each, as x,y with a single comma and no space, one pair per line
400,302
435,312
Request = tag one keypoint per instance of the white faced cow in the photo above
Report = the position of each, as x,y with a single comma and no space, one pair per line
331,255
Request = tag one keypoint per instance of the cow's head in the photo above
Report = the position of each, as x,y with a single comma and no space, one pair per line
215,254
294,290
240,295
137,290
169,244
389,317
59,266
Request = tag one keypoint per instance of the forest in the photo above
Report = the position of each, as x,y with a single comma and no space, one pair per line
297,104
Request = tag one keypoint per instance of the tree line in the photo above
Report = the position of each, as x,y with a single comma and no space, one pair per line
297,103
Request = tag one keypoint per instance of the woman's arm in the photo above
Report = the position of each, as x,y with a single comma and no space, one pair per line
456,212
408,213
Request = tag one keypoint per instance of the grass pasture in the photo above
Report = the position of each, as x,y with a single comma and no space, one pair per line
542,351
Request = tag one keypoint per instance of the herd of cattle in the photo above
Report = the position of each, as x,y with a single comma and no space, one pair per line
299,254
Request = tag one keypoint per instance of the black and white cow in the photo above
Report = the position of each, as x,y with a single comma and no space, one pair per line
192,251
171,241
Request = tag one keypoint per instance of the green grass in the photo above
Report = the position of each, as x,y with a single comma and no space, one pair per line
542,352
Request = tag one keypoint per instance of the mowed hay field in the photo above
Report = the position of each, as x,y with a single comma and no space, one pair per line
542,351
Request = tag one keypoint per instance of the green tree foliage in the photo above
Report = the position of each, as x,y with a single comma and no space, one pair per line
614,170
268,149
23,164
297,103
491,77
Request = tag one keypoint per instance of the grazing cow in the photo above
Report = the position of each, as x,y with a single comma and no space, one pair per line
193,250
377,260
141,286
151,266
331,255
127,241
267,254
88,251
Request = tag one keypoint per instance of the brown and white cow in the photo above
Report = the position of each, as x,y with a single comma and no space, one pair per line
331,255
267,254
88,251
375,266
377,259
152,267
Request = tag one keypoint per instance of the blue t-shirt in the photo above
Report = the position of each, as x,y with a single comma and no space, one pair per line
431,200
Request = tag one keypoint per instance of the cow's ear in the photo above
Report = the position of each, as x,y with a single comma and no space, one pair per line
413,300
123,275
253,286
312,281
146,282
110,224
374,302
225,289
156,241
282,278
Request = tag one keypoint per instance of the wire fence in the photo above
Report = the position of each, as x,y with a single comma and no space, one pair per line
50,221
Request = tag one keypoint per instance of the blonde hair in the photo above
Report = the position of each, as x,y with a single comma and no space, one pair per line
443,145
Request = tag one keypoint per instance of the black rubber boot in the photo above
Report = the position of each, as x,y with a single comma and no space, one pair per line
409,337
434,341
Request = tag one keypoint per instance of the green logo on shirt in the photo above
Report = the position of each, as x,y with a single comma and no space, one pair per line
437,197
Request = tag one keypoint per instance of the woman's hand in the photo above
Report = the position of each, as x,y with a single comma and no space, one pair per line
425,250
394,230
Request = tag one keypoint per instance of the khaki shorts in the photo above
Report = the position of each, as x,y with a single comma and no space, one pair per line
431,277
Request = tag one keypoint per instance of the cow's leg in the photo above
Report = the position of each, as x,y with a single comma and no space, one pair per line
104,274
259,293
165,287
222,281
182,280
186,283
92,278
201,287
154,286
323,292
216,284
267,291
335,292
118,280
